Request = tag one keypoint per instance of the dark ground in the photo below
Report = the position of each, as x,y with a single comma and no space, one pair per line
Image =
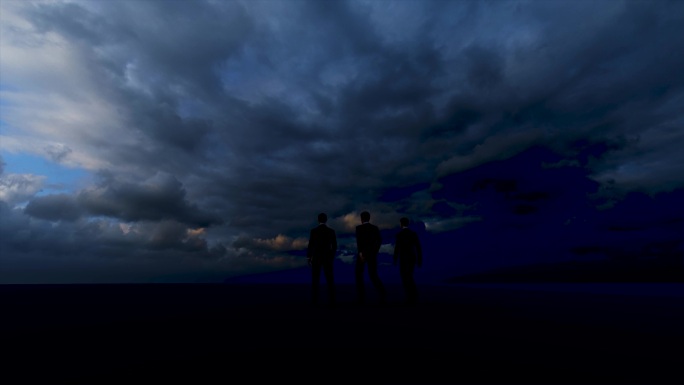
247,334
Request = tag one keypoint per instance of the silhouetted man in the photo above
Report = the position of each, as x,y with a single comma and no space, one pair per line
368,241
321,255
409,254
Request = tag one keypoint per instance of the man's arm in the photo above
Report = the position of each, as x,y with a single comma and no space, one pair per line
378,240
334,243
396,249
419,251
309,248
358,240
358,243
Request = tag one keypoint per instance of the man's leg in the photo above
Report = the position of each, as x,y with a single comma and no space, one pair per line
360,288
410,289
375,278
330,280
315,281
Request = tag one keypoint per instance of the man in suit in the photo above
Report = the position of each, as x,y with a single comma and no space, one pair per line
368,242
409,254
321,256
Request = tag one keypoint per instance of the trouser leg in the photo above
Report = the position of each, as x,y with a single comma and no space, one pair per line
410,288
315,282
330,280
360,287
375,278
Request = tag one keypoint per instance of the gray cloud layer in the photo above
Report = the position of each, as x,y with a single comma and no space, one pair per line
237,122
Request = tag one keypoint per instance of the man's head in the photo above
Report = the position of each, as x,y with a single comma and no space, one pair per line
365,216
322,218
404,222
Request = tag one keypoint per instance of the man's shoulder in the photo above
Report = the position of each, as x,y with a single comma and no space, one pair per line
406,232
412,233
367,226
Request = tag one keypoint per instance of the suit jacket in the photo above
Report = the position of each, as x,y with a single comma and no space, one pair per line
407,247
368,239
322,243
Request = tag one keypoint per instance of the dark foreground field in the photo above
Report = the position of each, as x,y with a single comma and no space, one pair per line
249,334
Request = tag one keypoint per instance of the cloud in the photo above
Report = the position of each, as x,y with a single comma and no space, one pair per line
562,163
387,248
278,243
159,198
442,225
18,188
651,164
54,208
493,148
173,235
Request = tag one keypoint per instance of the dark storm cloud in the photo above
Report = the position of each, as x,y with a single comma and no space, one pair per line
160,198
249,118
547,214
54,208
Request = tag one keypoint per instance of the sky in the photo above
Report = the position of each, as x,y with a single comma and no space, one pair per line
177,141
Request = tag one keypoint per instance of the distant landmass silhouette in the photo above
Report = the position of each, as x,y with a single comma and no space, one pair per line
579,272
